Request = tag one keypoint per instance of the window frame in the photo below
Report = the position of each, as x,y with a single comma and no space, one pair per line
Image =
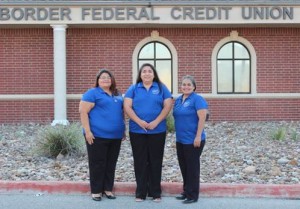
253,63
155,59
233,60
155,37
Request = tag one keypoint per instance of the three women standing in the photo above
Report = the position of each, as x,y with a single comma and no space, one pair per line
102,118
147,104
189,112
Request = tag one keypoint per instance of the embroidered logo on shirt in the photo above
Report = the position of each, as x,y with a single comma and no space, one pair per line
186,104
155,91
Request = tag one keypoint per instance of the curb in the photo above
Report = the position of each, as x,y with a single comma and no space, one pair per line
168,189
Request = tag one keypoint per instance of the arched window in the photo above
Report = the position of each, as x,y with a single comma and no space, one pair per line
233,64
159,55
160,52
233,69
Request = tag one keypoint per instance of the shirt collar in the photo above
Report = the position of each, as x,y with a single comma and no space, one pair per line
154,84
191,95
101,91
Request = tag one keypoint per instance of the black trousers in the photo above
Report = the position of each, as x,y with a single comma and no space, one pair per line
189,163
148,151
102,156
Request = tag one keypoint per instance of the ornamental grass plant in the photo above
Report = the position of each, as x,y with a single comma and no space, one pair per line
279,134
60,139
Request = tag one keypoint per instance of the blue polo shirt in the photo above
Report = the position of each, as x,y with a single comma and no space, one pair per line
147,105
186,118
106,117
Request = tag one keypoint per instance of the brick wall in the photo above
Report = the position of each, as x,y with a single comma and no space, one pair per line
26,67
254,109
26,61
26,111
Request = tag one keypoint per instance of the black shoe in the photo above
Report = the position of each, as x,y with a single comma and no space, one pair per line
112,197
188,201
96,198
181,197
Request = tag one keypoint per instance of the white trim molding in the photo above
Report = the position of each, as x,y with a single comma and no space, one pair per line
13,97
21,97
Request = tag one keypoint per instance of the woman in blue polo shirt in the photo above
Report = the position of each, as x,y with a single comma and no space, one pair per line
102,118
189,112
147,103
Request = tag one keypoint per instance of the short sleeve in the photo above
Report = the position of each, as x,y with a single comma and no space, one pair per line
89,96
130,92
200,103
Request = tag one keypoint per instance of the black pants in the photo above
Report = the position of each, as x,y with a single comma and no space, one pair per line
103,155
148,151
189,163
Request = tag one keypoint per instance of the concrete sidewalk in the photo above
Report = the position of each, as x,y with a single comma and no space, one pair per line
168,189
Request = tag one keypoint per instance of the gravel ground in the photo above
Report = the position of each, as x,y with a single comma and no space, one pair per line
234,153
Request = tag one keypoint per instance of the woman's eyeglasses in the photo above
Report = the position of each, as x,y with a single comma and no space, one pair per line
105,77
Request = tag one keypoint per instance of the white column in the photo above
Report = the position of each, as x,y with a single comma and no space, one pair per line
60,81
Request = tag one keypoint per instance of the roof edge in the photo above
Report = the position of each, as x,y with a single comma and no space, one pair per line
143,3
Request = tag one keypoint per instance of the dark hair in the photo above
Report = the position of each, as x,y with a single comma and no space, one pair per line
191,78
113,87
156,78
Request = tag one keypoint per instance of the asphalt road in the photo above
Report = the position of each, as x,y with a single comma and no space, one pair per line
65,201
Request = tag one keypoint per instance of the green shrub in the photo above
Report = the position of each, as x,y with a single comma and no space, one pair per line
170,123
279,134
60,139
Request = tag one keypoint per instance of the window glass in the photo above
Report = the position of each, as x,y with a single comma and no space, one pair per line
242,76
147,52
162,52
240,52
225,52
164,72
225,77
233,69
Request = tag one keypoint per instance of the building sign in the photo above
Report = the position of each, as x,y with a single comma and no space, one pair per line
151,15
